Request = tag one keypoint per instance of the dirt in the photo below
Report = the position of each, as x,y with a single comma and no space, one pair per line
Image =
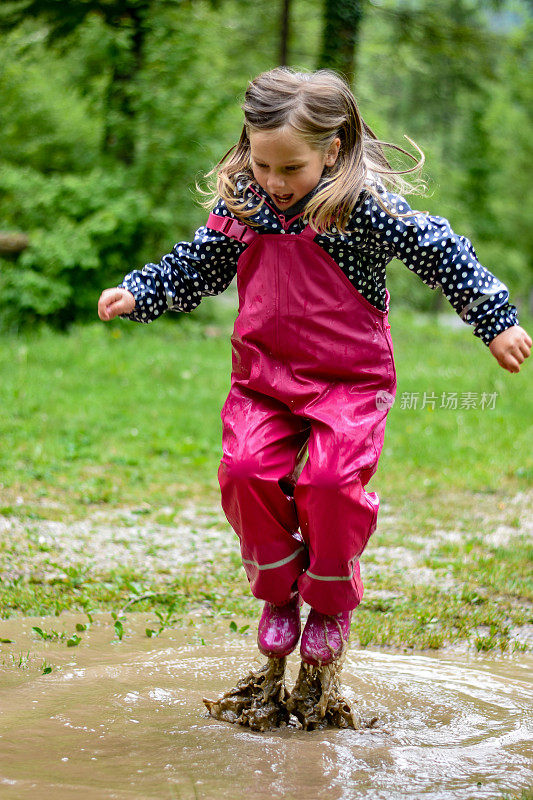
260,701
317,700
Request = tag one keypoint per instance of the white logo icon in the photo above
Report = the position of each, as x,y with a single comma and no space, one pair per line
384,399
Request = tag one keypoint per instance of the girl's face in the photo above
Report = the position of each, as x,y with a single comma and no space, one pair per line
285,166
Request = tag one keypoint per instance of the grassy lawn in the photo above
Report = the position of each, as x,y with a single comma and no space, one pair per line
114,429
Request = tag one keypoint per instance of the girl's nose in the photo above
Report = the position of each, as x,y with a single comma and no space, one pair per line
276,183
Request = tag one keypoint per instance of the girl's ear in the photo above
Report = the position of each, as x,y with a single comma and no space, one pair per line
333,152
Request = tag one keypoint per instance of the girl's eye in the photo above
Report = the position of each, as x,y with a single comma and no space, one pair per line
292,169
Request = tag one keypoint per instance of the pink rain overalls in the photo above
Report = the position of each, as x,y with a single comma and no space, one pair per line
312,369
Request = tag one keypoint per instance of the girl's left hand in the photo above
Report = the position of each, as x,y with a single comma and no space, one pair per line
511,347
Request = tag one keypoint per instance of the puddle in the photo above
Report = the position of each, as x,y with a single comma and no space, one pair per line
126,720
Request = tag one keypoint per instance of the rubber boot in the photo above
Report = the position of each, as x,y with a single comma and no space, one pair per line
324,637
279,628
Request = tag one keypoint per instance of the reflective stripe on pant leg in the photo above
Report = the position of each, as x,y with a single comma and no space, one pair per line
332,583
266,578
332,594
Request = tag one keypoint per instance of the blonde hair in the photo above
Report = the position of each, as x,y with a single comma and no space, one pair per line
320,107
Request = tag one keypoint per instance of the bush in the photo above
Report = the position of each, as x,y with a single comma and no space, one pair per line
85,232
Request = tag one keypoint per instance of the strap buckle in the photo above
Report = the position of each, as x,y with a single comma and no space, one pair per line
234,229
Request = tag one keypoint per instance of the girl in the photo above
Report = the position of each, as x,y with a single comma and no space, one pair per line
304,219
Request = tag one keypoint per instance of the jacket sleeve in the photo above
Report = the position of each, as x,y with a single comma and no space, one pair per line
205,266
429,247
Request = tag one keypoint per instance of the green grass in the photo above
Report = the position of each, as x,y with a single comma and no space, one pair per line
113,414
124,415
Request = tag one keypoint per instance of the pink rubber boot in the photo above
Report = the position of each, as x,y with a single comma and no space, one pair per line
324,637
279,628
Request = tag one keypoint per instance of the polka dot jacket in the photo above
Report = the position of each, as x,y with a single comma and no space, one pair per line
426,244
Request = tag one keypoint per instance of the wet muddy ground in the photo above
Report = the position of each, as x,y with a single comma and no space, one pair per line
125,719
132,536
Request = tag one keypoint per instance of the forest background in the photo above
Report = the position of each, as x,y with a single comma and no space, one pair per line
112,110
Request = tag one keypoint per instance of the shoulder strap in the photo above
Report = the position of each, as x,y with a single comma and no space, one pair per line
307,233
232,228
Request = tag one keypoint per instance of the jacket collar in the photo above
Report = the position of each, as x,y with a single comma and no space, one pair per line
269,216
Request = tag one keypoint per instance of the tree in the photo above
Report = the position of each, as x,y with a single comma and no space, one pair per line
129,21
284,32
340,35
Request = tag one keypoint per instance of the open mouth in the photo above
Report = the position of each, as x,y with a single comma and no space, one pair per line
283,200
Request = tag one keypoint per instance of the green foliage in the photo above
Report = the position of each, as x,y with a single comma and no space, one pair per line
64,17
46,121
83,231
507,123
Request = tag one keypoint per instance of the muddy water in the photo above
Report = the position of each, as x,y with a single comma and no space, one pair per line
126,720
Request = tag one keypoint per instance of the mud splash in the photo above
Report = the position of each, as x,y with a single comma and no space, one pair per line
317,701
260,701
125,719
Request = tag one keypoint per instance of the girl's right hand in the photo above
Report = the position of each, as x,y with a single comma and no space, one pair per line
113,302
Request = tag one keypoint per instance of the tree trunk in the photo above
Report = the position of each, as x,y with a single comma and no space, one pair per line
340,34
12,243
119,134
284,33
